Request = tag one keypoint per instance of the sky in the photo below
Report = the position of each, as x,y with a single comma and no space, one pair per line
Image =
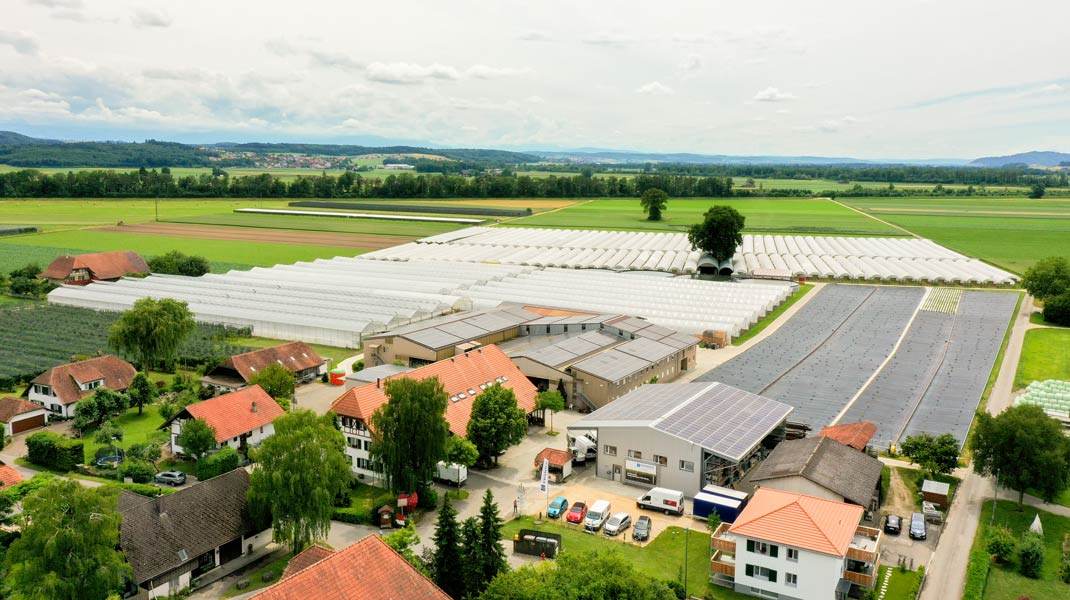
864,79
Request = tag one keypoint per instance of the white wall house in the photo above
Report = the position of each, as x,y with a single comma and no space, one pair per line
239,419
60,388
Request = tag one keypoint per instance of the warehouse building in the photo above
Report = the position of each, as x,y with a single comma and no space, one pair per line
683,436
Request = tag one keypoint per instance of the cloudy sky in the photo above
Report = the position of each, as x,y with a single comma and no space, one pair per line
904,79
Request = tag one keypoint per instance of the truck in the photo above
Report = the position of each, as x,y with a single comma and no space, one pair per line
727,503
584,447
663,499
452,473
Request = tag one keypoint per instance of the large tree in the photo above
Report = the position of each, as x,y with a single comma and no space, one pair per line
1057,309
178,263
69,546
94,410
471,548
496,423
551,401
446,564
141,392
197,437
461,451
719,233
1025,448
491,552
937,454
605,575
299,472
409,432
1048,278
276,380
152,331
654,202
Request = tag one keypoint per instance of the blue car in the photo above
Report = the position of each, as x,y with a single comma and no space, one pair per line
557,507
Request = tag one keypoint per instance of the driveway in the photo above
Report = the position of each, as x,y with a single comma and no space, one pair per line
318,396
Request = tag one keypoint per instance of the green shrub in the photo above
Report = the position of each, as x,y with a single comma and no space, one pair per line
428,499
977,573
1031,555
1001,544
1064,569
141,489
213,465
358,366
54,451
1057,309
356,516
138,470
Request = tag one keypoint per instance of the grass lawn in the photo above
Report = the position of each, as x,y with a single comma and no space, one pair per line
774,315
902,584
333,352
1062,498
913,478
92,212
1037,318
1045,355
764,215
1004,581
256,576
137,429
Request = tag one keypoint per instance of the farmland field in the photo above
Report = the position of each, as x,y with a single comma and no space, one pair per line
764,215
62,213
335,224
1045,355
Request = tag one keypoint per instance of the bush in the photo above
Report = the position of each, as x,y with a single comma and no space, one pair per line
1057,309
676,587
428,499
54,451
356,516
213,465
977,573
358,366
1031,555
1064,569
139,470
141,489
1001,544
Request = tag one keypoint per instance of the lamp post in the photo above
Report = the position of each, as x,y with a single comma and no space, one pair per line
687,534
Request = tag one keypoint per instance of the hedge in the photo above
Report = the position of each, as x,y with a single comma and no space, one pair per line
213,465
422,208
141,471
977,572
362,510
54,451
142,489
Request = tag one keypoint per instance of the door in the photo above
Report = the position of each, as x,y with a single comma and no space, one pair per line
617,473
229,551
25,424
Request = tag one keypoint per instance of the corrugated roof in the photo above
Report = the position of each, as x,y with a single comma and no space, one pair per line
798,520
856,435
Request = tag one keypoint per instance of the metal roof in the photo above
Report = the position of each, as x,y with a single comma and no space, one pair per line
569,350
611,365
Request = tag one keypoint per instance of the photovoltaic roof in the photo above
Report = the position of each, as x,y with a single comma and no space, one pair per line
611,365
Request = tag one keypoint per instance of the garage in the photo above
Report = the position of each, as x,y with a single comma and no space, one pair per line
20,415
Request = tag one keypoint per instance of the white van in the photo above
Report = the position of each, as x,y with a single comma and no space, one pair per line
597,515
667,501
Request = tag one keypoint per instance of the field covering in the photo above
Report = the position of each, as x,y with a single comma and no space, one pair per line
1003,580
1011,233
62,213
773,315
1045,355
341,225
764,215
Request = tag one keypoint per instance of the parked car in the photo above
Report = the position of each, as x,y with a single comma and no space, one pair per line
917,527
109,461
577,513
618,523
642,529
170,477
893,524
597,516
557,507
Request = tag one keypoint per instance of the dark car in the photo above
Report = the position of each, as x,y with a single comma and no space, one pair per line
170,477
893,524
577,513
641,531
917,527
557,507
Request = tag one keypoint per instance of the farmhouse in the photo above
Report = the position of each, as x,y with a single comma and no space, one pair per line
296,357
82,269
463,376
240,419
173,539
683,435
18,415
790,545
60,388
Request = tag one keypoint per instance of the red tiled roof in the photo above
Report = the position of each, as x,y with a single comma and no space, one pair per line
310,556
461,374
9,476
856,435
366,570
103,265
557,457
799,520
13,407
65,379
295,356
232,414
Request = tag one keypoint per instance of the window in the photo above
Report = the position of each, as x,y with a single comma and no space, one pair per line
353,442
686,465
609,450
661,460
791,579
635,454
758,572
368,445
793,555
765,593
762,548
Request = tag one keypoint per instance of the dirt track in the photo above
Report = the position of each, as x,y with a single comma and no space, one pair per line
256,234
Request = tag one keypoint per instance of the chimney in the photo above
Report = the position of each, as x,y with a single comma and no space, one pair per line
376,383
254,406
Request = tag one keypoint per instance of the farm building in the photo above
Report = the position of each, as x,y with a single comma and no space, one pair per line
559,464
684,436
296,357
18,415
82,269
373,374
856,435
240,419
60,388
463,376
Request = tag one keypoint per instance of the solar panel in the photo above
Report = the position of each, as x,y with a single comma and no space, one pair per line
611,365
647,350
434,338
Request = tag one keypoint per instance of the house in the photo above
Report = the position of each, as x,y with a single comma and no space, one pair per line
60,388
103,266
558,462
240,419
296,357
683,436
18,415
463,376
794,546
9,476
822,467
856,435
366,570
171,540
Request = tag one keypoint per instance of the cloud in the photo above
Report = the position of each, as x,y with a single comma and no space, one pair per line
772,94
535,36
71,15
409,73
172,74
691,63
148,18
485,72
655,88
836,125
58,3
534,100
334,59
610,40
23,43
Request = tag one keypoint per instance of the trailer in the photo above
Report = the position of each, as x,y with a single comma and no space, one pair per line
452,474
726,502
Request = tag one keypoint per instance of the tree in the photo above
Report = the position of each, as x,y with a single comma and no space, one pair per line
1037,191
94,410
1025,447
141,392
1031,554
936,454
496,423
654,202
299,472
713,521
1001,544
446,560
491,552
474,584
603,575
1048,278
69,546
196,438
403,541
461,451
719,233
1057,309
178,263
409,432
108,434
552,401
276,380
152,331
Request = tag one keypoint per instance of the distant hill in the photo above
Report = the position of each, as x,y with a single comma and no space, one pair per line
10,138
463,154
1043,159
620,157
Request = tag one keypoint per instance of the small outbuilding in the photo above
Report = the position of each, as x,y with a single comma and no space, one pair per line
560,463
20,415
937,492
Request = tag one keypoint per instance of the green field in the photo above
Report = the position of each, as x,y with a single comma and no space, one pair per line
90,212
331,224
1004,581
1045,355
764,215
1012,233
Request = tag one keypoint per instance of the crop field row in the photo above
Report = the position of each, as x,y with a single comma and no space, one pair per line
333,224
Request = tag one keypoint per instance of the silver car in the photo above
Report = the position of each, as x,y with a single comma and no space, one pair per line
172,478
618,523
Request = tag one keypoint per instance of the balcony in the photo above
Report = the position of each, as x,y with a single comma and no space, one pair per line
723,564
865,545
862,579
721,542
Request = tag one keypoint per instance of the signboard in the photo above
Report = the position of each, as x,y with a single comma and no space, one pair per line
640,472
544,479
